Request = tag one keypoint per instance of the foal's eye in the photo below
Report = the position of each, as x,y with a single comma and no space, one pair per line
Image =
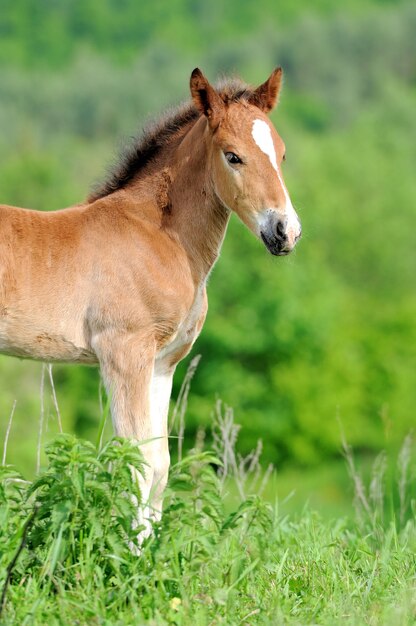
232,158
284,157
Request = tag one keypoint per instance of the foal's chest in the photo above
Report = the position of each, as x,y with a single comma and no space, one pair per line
181,342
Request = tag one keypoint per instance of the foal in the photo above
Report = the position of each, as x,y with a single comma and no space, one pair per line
120,280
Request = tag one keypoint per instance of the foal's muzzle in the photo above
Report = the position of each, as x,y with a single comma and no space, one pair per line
280,234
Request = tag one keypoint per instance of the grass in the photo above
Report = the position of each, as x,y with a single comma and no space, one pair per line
65,556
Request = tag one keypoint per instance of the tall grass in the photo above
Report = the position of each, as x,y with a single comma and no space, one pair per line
65,537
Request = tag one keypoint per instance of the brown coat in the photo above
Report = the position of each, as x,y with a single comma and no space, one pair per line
120,280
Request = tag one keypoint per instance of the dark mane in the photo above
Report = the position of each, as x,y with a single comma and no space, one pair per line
156,135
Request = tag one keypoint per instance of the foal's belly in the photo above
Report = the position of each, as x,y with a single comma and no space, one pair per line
25,340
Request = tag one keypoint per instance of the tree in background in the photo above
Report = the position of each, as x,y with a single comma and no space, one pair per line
291,344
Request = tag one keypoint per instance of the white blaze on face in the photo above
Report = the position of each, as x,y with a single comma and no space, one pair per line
262,135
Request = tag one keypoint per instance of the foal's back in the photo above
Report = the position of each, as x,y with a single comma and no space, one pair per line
39,316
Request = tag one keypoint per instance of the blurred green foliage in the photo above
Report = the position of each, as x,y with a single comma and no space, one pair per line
296,344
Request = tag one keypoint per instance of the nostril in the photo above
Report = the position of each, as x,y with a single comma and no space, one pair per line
281,228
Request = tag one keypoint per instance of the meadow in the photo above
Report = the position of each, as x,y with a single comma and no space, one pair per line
222,554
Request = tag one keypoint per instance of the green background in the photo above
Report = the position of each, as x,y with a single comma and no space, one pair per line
299,347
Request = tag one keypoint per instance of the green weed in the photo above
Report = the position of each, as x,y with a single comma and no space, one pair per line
65,556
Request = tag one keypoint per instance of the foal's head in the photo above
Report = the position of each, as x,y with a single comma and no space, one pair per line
246,154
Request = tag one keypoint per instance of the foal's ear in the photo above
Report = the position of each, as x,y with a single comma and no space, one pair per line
205,98
266,96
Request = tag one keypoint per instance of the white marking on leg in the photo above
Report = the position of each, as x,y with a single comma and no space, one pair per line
160,390
156,451
156,455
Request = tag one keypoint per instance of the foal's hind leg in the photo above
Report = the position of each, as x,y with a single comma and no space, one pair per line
139,400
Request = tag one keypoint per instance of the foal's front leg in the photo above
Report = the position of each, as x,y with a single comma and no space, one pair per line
140,392
160,391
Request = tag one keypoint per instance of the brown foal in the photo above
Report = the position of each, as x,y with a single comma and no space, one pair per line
120,280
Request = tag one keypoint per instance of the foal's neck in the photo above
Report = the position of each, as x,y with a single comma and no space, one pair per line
196,216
